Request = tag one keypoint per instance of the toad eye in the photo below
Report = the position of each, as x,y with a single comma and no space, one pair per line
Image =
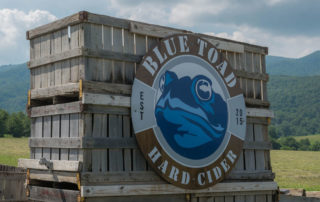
203,89
162,82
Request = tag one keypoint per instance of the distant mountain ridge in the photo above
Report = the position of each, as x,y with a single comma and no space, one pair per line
14,79
306,66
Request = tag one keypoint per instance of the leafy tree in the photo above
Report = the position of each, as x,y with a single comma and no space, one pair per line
273,132
3,119
15,125
289,143
275,144
315,146
304,144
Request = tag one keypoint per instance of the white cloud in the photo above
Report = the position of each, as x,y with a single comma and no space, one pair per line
13,26
279,45
188,13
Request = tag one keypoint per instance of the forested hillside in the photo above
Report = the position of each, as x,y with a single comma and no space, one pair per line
305,66
14,85
296,103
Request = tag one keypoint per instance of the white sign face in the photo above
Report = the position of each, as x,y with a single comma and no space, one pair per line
188,112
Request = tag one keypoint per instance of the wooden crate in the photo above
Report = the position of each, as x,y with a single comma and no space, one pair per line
82,68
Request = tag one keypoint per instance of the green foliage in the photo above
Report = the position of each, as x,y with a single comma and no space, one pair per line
290,143
315,146
16,124
14,83
3,118
296,103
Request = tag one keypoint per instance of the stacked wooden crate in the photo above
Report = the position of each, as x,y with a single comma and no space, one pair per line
82,144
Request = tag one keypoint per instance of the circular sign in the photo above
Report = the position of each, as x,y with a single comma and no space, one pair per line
188,112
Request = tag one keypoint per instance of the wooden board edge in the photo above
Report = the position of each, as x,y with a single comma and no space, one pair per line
159,189
55,25
58,165
258,112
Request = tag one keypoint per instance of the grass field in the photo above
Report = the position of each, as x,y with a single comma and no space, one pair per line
297,169
11,149
294,169
312,138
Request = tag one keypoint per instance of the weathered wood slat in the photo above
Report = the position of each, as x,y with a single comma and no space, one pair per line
225,45
251,75
104,99
69,89
250,175
53,176
52,194
105,88
68,54
102,109
258,145
61,165
56,142
83,52
258,112
56,25
112,142
67,108
153,30
249,154
131,190
255,102
150,177
115,142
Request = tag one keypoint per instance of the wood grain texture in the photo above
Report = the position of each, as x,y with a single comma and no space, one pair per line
53,176
52,194
131,190
115,155
59,165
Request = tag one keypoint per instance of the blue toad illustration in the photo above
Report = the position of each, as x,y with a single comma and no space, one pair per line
191,116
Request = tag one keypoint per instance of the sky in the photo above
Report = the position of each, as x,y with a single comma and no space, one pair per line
290,28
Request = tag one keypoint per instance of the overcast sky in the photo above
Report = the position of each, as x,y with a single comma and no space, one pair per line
290,28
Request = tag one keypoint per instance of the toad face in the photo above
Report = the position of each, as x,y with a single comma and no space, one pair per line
191,116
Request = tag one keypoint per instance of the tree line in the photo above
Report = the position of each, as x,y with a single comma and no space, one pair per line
290,143
15,124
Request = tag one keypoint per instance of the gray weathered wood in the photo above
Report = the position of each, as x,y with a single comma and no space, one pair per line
110,142
38,134
96,133
115,155
65,133
105,99
153,30
74,133
67,108
59,165
87,153
69,89
159,189
47,134
55,142
53,176
101,109
249,153
52,194
105,88
55,152
102,178
260,154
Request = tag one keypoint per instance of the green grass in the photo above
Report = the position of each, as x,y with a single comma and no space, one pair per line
11,149
297,169
312,138
294,169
